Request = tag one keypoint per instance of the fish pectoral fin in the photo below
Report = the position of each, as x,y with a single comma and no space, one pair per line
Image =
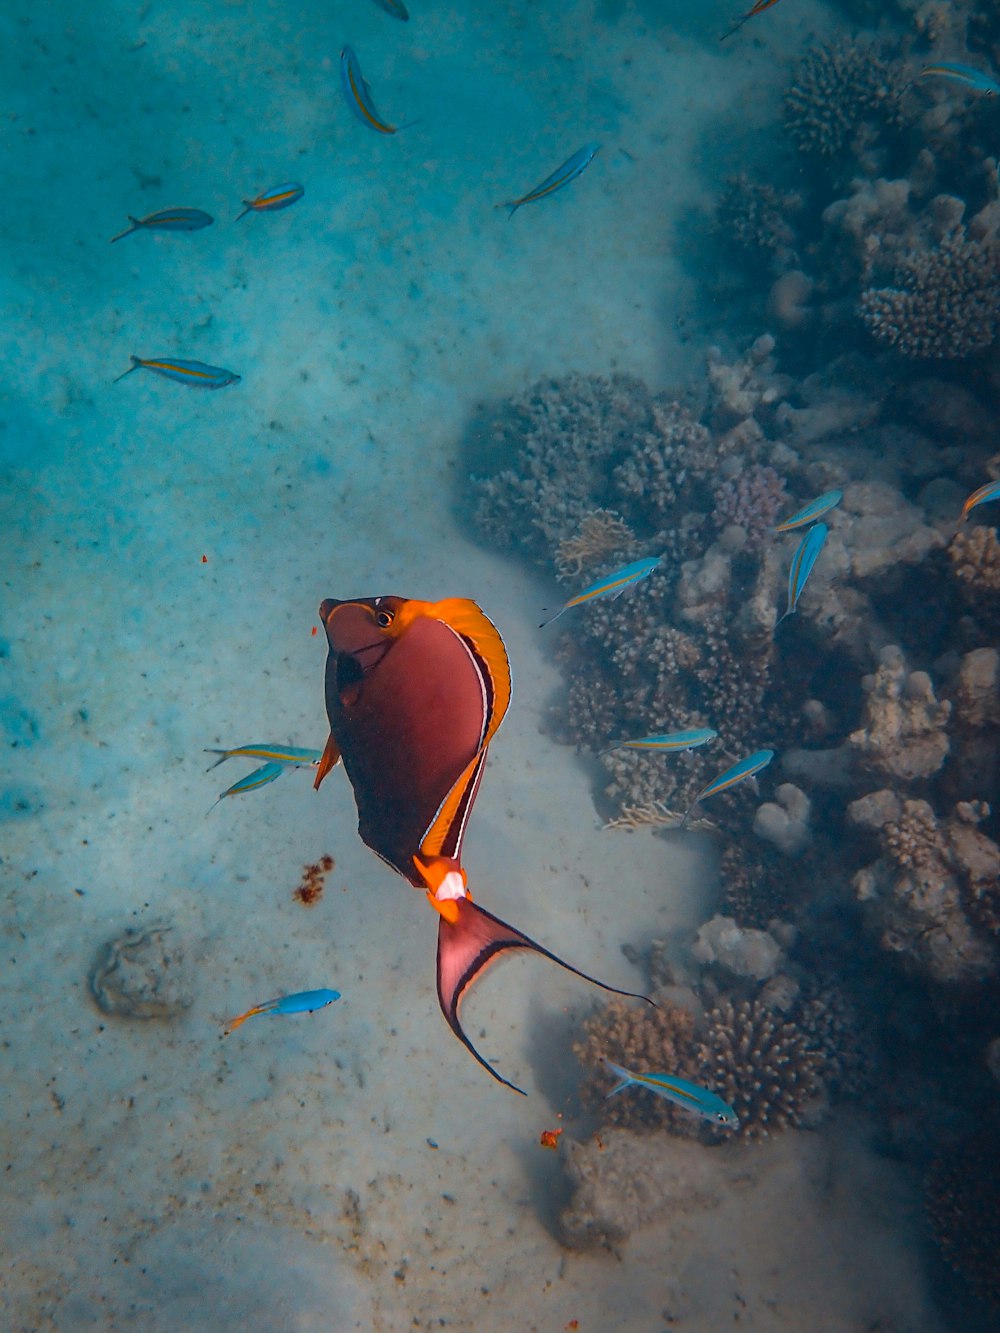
466,948
330,759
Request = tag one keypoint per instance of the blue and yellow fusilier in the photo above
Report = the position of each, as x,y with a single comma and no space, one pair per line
613,585
271,201
359,95
982,496
167,219
303,1002
976,80
801,567
811,512
194,373
746,768
260,777
569,171
674,740
694,1098
396,8
289,755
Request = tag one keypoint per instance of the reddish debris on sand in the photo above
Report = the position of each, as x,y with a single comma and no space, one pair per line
310,888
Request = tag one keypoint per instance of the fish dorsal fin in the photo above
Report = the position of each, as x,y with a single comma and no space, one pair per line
465,617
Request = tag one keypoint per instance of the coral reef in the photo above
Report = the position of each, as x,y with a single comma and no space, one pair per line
141,974
962,1194
740,951
905,734
755,888
601,535
839,91
784,822
942,302
975,559
754,217
934,878
642,1039
761,1066
752,501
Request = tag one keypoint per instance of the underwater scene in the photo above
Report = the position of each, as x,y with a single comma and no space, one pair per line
543,457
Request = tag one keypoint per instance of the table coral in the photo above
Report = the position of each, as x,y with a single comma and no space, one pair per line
941,302
761,1066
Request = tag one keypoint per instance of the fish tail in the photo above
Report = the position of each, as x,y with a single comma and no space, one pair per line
128,230
136,362
619,1087
223,753
248,208
469,940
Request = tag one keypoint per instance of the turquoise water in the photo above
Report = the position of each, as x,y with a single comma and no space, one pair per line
165,552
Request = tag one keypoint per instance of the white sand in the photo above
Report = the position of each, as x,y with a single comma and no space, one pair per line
157,1177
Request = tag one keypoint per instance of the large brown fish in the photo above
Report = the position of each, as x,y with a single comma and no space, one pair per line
415,692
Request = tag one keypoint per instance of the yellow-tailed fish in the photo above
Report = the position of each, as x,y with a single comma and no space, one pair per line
271,201
260,777
694,1098
976,80
303,1002
612,585
359,95
811,512
291,756
194,373
396,8
991,491
569,171
745,768
801,567
674,740
758,8
167,219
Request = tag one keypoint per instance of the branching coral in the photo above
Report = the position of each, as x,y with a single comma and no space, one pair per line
650,476
754,217
943,302
838,89
752,500
602,533
645,1040
761,1066
962,1194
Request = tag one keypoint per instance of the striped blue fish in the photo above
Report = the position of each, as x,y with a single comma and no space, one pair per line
991,491
700,1101
167,219
396,8
359,95
260,777
613,585
811,512
282,196
674,740
289,755
802,563
746,768
569,171
976,80
195,373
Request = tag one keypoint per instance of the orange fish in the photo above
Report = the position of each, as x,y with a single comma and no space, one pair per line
758,8
415,692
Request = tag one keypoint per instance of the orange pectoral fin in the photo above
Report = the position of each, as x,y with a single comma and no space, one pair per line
330,759
467,946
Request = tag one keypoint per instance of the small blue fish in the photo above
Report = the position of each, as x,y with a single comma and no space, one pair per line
396,8
288,756
282,196
746,768
968,76
359,95
802,563
195,373
613,585
700,1101
168,219
991,491
811,512
675,740
569,171
260,777
304,1002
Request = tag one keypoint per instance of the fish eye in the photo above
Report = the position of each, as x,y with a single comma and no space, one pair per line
383,619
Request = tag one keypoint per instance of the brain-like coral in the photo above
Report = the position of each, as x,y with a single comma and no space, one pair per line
761,1065
838,89
645,1040
963,1205
941,301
